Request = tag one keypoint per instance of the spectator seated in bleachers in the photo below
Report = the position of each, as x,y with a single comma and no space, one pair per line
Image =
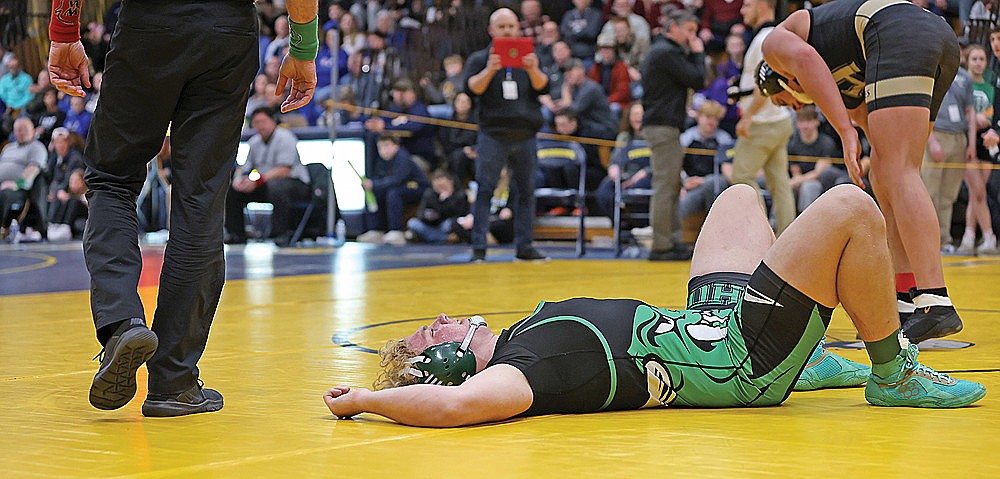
14,87
623,9
50,118
326,61
262,95
454,79
67,207
501,229
719,18
418,137
381,64
724,74
21,161
707,136
812,176
273,173
68,214
532,19
545,42
443,203
704,166
37,103
612,74
352,39
587,99
562,60
699,200
396,181
631,49
78,119
558,165
630,162
580,28
459,144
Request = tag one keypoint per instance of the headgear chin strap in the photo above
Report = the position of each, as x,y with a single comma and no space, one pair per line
447,364
771,83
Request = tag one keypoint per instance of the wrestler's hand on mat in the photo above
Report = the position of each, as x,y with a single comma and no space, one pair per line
852,157
342,401
69,69
302,75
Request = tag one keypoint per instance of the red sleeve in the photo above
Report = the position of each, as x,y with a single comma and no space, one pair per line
595,73
64,26
707,13
621,92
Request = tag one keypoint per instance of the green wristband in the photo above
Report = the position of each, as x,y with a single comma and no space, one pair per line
303,41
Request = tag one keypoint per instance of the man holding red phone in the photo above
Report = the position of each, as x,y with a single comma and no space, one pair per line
510,115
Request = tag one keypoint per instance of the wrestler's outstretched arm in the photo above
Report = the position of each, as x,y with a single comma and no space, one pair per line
498,392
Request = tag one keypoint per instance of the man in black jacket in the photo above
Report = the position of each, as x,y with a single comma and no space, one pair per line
671,68
509,116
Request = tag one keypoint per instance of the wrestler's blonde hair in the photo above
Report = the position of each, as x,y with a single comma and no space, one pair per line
394,358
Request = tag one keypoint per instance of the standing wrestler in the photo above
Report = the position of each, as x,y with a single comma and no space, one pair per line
855,59
189,65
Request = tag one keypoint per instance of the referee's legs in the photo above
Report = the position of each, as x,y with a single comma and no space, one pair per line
121,141
205,134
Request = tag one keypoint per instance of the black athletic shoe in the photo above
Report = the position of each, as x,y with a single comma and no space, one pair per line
478,256
130,346
677,253
932,322
530,254
192,401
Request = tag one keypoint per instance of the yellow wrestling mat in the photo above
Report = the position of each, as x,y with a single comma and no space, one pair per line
272,354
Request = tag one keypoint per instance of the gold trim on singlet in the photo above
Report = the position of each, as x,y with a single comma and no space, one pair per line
910,85
864,14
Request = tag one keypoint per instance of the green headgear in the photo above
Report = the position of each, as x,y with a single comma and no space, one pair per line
447,364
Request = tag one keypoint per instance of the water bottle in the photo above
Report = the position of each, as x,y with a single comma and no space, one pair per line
341,232
14,232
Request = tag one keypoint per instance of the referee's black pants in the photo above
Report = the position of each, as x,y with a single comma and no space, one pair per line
189,65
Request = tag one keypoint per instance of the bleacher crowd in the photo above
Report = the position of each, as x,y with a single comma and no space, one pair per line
397,72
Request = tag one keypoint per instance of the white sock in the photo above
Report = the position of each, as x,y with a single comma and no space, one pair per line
927,300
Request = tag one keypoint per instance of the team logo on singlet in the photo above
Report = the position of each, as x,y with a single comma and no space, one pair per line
850,80
659,330
67,10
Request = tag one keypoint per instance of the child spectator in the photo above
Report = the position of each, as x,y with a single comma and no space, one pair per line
501,222
707,136
396,181
439,209
809,176
454,80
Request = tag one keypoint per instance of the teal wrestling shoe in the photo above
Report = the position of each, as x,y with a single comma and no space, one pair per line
912,384
827,370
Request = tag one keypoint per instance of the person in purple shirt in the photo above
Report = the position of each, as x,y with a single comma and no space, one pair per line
78,118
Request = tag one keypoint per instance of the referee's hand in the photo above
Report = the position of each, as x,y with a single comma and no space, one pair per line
302,75
69,68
